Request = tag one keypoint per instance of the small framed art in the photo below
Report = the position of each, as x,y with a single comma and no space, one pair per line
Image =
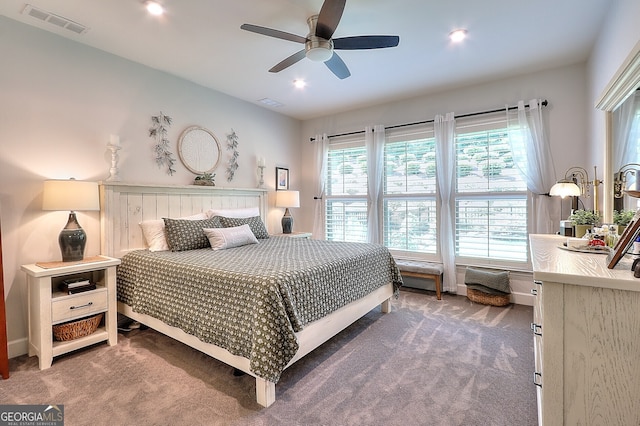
282,178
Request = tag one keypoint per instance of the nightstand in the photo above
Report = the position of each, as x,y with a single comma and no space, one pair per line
306,235
49,306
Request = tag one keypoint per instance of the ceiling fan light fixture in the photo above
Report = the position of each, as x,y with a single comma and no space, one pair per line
319,54
319,43
318,49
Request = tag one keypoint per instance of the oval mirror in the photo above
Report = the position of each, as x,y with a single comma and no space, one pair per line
199,150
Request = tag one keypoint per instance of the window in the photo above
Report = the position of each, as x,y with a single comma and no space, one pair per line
346,192
490,199
409,192
491,196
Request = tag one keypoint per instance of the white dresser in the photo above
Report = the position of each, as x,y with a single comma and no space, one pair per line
586,337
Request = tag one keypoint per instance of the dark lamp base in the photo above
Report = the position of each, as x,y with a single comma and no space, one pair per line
287,222
72,240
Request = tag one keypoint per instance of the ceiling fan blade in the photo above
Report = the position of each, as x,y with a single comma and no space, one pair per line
338,67
289,61
273,33
365,42
329,18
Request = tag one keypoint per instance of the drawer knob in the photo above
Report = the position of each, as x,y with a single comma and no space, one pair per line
86,305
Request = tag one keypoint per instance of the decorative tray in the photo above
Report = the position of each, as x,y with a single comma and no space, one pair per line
587,249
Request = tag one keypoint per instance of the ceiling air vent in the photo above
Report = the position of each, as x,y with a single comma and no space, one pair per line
270,102
54,19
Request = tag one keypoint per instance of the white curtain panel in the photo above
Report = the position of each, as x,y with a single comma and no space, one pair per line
626,131
320,163
532,157
624,144
444,129
374,141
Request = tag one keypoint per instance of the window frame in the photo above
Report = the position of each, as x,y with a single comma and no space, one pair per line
487,122
407,134
495,121
343,143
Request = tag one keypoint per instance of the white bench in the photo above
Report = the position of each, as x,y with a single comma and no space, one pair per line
420,269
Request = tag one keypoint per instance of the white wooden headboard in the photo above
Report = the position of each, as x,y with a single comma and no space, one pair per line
124,206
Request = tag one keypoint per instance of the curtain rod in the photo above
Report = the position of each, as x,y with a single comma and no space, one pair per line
471,114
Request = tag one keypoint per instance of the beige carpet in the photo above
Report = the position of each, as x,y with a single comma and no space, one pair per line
429,362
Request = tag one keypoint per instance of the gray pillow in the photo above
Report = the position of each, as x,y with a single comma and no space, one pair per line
255,223
188,234
496,280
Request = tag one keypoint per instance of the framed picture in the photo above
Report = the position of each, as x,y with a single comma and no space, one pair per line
626,240
282,178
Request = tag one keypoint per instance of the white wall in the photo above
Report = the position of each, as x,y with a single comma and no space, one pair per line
564,88
619,35
59,103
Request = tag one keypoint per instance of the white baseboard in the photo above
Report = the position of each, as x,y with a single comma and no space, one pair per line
18,347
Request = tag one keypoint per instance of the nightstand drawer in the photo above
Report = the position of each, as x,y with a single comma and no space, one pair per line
74,306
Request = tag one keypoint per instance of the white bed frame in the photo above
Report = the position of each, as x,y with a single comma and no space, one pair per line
124,206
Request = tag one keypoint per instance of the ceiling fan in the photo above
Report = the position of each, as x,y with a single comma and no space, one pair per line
318,44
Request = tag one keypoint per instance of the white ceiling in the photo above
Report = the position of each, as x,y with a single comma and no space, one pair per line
201,41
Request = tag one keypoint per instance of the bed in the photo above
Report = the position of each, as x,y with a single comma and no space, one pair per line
258,307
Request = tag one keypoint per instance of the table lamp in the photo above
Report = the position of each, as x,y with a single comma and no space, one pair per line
72,195
287,199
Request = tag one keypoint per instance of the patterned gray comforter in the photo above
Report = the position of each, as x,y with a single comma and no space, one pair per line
251,300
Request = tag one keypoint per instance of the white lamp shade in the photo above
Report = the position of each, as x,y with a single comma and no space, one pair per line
73,195
565,189
287,199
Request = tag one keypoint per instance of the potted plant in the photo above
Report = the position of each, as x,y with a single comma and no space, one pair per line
622,219
583,220
206,179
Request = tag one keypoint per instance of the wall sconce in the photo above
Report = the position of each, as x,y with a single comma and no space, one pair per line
620,180
575,183
72,195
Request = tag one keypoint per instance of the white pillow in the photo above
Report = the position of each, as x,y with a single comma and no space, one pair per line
239,213
153,231
224,238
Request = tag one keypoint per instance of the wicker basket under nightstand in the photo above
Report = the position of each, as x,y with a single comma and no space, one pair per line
76,329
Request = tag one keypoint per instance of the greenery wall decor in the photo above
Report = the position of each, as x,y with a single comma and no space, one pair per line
158,131
232,145
205,179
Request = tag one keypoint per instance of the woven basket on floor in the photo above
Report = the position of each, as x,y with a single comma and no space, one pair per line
488,299
75,329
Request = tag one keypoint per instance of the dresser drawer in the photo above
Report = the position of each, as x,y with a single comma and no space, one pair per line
79,305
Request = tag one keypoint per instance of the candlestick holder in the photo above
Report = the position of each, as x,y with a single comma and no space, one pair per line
261,172
114,174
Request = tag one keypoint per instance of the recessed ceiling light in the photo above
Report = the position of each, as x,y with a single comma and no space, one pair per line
457,36
154,8
299,84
